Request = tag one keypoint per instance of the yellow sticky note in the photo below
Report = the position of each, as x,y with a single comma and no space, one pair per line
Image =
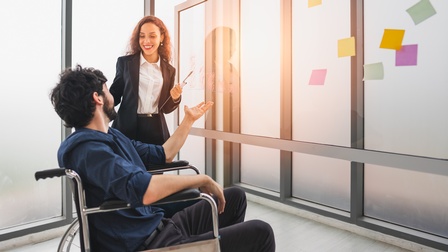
346,47
312,3
392,39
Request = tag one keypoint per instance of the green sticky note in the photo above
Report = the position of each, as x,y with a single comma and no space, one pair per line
421,11
374,71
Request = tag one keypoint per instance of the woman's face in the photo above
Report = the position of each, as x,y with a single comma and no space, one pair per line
149,40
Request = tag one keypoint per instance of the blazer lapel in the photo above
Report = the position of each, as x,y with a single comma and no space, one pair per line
166,74
134,70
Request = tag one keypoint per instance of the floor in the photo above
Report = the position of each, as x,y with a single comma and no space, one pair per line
293,234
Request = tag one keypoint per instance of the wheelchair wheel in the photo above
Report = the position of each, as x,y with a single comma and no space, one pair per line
70,240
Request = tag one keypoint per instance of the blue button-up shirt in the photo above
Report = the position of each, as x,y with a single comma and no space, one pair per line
113,167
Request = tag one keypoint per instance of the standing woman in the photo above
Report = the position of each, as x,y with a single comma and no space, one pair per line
144,84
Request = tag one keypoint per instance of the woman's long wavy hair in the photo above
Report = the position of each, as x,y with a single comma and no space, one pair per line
164,51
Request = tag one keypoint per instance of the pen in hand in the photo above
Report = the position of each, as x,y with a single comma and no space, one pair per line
182,84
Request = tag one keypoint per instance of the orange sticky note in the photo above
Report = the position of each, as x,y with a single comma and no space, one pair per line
346,47
392,39
312,3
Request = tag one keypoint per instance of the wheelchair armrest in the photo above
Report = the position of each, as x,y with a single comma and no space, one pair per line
175,163
184,195
114,204
173,166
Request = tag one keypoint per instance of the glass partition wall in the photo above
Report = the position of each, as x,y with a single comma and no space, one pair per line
314,111
190,63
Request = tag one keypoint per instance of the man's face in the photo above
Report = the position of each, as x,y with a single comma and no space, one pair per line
108,107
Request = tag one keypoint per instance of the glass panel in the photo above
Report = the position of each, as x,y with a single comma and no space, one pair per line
260,90
406,110
191,58
222,64
321,107
191,49
31,130
194,152
260,167
413,199
260,68
220,160
212,56
321,180
98,41
165,11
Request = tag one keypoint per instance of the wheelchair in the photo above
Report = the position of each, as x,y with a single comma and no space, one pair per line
76,238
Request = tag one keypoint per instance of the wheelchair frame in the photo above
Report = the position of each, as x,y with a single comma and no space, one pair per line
80,225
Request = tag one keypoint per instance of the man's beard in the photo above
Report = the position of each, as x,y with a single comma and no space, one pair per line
109,110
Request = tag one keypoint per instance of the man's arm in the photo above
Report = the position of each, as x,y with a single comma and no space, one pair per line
175,142
162,186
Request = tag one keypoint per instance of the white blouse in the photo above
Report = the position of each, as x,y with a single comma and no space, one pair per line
149,87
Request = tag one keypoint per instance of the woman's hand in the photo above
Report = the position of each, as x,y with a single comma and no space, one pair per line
175,92
177,139
197,111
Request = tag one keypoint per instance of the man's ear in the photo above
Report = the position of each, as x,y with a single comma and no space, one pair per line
97,98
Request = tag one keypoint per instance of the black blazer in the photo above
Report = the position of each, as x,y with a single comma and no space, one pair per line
124,89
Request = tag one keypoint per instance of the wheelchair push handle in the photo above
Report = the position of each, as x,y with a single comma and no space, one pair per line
56,172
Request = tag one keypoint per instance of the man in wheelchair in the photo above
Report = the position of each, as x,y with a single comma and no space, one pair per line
113,167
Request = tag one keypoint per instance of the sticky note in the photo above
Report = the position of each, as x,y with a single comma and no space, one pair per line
318,77
406,56
312,3
421,11
346,47
374,71
392,39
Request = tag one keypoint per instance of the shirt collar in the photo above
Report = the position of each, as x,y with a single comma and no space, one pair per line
143,61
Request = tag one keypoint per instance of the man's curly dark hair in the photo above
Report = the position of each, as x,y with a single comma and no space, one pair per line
72,98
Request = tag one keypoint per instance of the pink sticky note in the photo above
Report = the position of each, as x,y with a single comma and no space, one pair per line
406,56
318,77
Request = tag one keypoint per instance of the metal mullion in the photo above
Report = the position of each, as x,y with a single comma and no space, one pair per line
66,62
357,111
286,97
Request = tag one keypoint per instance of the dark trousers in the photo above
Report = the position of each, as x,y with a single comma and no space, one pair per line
194,223
152,130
